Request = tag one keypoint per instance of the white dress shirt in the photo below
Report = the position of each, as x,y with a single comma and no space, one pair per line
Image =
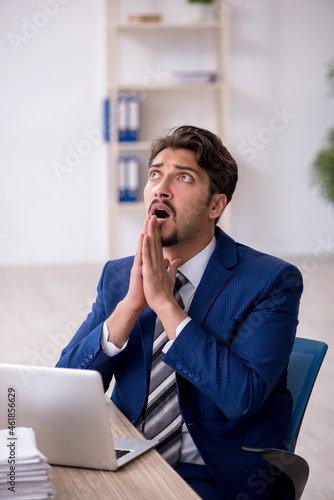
193,270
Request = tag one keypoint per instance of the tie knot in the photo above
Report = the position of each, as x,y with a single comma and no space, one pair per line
180,280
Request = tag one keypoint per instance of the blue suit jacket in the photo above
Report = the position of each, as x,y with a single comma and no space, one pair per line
230,359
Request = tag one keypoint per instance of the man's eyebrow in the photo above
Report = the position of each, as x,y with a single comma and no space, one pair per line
155,165
179,167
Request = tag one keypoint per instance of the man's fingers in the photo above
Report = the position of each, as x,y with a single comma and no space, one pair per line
157,237
153,244
146,250
157,242
138,256
146,225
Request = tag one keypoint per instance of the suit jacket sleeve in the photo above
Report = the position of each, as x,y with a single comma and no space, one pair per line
238,362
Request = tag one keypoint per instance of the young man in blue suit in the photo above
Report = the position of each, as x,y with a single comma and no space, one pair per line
229,339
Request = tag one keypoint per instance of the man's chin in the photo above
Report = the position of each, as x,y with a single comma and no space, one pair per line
169,240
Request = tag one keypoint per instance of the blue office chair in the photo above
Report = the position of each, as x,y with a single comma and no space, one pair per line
304,365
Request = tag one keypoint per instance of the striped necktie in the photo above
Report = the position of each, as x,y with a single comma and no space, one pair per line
162,419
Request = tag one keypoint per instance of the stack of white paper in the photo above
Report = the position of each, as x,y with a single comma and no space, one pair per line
24,472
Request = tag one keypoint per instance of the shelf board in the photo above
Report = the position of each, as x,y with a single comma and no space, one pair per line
170,86
164,26
132,146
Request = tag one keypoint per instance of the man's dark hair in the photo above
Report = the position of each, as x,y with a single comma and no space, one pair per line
210,153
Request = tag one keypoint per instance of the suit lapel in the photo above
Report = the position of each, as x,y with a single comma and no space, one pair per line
215,276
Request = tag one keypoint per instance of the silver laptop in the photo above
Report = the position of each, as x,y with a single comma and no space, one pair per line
67,410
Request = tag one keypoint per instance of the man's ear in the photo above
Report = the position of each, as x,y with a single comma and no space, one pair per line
217,205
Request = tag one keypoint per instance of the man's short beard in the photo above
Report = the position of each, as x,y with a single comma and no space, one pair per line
174,238
170,240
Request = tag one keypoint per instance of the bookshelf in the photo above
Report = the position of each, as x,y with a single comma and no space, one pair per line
176,68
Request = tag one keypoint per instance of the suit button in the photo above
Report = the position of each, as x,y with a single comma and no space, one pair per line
185,369
197,377
191,373
179,365
83,362
90,355
87,359
79,366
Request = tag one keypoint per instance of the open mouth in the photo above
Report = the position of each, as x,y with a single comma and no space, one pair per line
162,213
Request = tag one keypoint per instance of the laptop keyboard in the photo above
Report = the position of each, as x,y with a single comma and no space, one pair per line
121,453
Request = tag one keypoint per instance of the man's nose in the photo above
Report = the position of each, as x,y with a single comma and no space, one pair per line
163,189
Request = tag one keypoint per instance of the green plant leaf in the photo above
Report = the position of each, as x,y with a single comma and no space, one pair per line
330,76
323,169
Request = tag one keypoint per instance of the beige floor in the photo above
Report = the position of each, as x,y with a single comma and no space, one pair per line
41,308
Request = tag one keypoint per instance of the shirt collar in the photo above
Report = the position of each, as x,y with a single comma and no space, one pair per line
194,268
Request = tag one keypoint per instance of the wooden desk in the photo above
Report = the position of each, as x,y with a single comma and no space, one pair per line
146,477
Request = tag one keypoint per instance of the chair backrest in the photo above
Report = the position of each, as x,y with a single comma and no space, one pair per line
304,365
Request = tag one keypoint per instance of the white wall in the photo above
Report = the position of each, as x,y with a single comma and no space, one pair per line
51,88
279,52
52,84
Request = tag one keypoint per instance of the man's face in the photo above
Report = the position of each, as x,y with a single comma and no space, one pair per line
177,192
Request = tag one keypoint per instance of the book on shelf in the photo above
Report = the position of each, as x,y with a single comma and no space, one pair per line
144,18
128,118
128,186
195,77
106,119
24,471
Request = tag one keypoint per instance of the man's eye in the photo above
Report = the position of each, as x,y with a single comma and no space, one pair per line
185,178
154,174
